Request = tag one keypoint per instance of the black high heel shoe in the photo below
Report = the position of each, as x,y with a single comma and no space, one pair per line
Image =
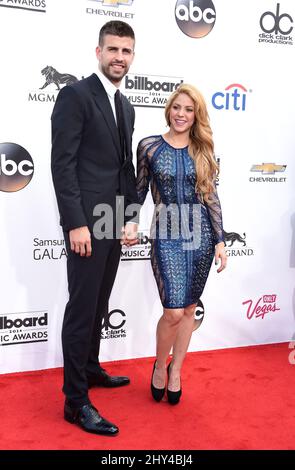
157,393
173,397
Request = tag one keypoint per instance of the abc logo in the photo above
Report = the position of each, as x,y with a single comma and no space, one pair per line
274,23
16,167
195,18
199,315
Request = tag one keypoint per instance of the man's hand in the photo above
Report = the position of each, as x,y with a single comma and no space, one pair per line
129,234
80,240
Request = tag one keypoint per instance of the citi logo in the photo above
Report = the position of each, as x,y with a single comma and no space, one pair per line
145,83
195,18
16,167
233,98
7,323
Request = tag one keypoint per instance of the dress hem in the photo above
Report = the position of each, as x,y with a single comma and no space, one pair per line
181,306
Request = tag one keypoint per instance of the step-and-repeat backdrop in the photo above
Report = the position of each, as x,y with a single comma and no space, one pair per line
241,57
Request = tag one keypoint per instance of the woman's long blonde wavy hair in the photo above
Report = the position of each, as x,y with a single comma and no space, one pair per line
201,147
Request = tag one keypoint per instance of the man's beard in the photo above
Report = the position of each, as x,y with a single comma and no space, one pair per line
113,78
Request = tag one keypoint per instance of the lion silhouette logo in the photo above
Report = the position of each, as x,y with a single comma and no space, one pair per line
53,76
234,237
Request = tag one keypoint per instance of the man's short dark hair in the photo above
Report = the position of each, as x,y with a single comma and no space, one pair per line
115,28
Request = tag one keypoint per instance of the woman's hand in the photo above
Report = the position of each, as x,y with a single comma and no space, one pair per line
220,256
129,234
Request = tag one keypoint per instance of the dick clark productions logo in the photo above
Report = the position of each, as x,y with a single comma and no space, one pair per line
277,27
195,18
272,22
16,167
112,325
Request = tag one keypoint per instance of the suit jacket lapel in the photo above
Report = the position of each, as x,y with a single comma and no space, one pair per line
101,99
127,129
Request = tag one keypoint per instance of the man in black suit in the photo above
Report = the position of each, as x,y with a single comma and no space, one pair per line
92,164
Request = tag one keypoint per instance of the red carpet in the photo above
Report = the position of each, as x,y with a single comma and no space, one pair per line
240,398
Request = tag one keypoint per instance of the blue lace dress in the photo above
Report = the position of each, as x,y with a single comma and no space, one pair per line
182,238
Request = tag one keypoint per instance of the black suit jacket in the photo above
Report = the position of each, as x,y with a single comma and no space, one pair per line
86,163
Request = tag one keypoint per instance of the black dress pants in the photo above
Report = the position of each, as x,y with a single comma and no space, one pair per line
90,282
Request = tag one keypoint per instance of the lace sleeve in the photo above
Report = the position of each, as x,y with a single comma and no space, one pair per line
143,170
215,214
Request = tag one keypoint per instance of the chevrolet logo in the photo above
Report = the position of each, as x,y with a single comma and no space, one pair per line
268,168
114,3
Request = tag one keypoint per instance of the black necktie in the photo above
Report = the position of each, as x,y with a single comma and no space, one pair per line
120,122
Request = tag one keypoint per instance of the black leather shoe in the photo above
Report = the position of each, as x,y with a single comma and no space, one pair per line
173,397
88,418
157,393
103,379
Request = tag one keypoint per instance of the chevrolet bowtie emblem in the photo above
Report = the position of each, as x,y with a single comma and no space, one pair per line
268,168
114,3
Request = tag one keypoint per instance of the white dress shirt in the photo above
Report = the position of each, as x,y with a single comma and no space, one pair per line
110,89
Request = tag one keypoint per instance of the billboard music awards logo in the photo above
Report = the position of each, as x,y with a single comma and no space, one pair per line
240,247
16,167
52,79
277,26
116,8
195,18
263,306
49,249
112,325
149,91
38,6
268,169
233,98
23,327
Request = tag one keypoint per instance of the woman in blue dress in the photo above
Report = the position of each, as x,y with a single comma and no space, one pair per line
187,232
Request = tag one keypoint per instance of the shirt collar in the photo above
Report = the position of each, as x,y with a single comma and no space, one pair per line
109,87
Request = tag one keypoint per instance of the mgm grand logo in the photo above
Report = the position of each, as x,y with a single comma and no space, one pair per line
53,79
240,247
52,76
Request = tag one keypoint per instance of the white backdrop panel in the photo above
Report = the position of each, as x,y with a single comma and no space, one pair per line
258,213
